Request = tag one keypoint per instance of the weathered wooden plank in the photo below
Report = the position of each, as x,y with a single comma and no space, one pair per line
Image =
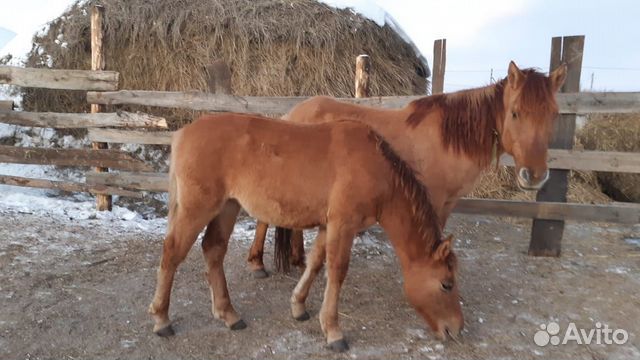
598,102
82,120
569,103
625,162
618,213
614,213
363,69
219,77
558,159
546,235
197,101
71,157
66,186
6,104
131,136
439,65
137,181
59,79
103,202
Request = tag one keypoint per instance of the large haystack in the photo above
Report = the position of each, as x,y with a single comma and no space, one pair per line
615,132
274,48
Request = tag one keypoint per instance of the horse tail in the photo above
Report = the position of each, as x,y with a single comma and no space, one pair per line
282,249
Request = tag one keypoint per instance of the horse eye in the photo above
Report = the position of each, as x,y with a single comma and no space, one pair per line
514,115
447,286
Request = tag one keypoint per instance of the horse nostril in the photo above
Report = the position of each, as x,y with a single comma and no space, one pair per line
524,174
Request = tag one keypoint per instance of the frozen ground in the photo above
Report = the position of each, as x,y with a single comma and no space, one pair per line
76,284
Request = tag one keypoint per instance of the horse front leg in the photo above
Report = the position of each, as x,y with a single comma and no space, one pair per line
338,253
256,253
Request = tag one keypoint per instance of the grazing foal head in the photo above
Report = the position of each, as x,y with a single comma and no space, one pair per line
530,108
431,288
429,264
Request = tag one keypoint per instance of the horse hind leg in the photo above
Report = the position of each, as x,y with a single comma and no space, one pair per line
297,248
314,265
183,229
255,259
214,249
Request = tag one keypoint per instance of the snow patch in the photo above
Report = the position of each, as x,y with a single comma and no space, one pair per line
617,270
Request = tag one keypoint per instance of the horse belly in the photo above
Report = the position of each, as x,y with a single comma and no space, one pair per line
281,205
300,215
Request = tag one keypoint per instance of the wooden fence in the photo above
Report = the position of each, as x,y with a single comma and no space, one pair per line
104,158
134,175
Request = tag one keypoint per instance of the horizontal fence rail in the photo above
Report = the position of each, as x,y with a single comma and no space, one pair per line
67,186
157,182
626,162
59,79
615,213
72,157
558,159
569,103
130,136
82,120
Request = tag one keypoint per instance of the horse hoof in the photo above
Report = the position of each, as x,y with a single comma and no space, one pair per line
339,345
238,325
165,331
304,317
260,274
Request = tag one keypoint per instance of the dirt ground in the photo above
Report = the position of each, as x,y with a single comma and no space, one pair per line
80,289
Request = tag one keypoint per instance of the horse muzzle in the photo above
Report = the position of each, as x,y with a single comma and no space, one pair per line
450,332
526,181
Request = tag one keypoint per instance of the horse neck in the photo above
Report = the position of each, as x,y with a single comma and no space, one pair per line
472,120
398,221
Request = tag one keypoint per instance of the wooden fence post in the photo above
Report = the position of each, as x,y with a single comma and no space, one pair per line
439,64
219,77
546,235
103,202
363,68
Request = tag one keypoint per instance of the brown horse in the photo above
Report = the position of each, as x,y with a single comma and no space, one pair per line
449,139
350,178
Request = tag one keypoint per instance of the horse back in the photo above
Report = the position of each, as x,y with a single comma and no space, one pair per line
275,168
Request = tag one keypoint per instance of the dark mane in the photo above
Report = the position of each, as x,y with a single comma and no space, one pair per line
424,215
470,117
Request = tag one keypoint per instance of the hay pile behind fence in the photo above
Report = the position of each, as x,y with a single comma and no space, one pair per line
501,184
615,132
274,48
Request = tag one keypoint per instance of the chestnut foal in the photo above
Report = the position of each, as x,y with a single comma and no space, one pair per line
347,178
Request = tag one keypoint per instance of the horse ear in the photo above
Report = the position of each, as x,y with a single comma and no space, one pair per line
558,76
515,77
443,250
